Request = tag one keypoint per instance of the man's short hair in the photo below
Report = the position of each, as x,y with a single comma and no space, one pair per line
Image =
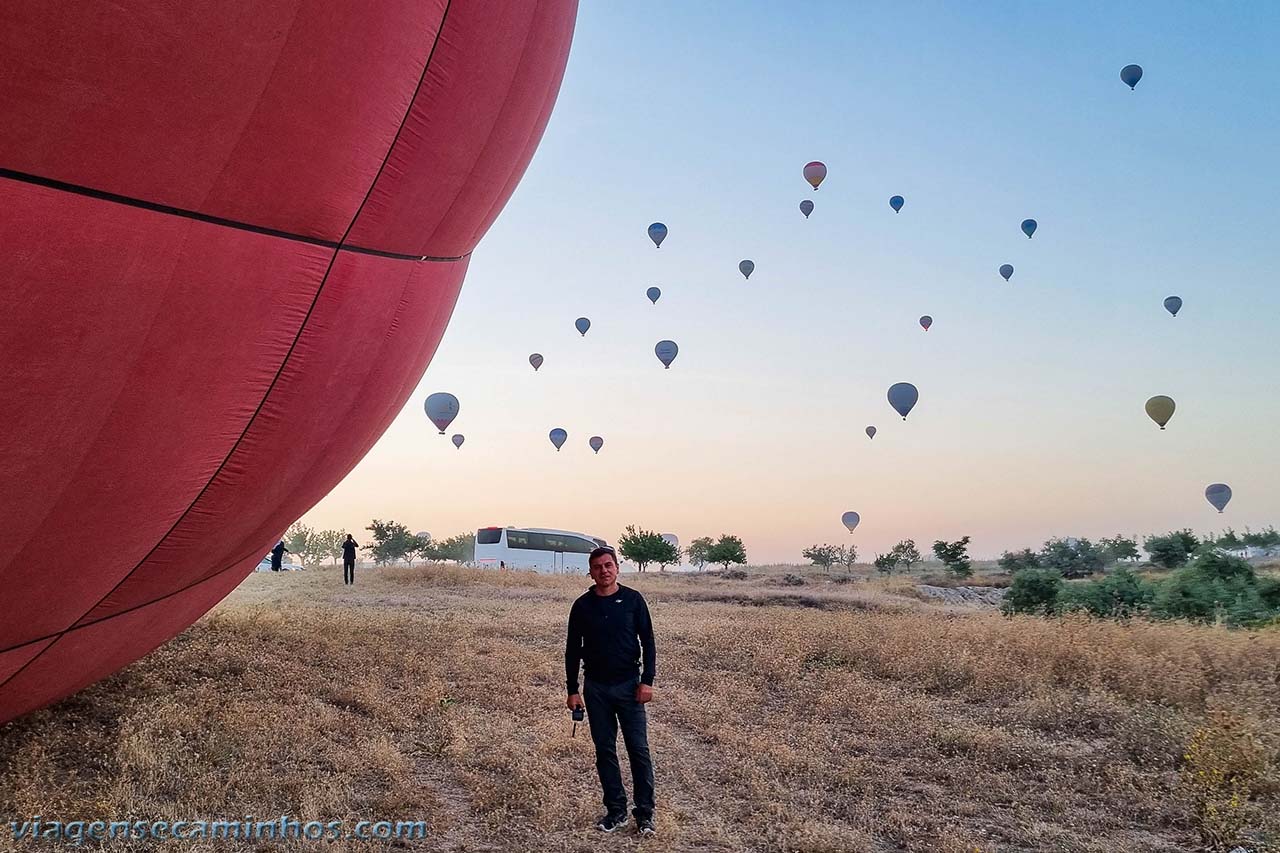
600,552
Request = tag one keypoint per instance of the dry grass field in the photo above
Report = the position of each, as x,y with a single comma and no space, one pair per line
814,716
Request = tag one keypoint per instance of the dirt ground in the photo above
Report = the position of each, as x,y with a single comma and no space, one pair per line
829,714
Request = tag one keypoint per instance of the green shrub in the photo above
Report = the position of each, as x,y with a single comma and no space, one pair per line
1121,593
1172,549
1033,591
1217,587
1016,561
1074,558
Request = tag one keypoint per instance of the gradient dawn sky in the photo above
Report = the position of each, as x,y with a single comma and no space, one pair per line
1030,424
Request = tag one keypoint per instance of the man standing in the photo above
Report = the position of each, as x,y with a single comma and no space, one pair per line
349,560
277,555
609,626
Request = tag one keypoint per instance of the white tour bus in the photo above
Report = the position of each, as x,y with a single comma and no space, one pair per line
537,548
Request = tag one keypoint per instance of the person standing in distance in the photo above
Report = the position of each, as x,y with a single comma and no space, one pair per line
349,560
277,555
611,632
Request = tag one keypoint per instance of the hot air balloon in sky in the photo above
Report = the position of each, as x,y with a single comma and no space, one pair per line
1131,74
671,539
806,207
903,397
1160,409
1006,271
925,322
441,408
558,438
815,172
1028,227
536,360
871,432
653,293
1173,304
201,212
423,535
658,233
850,520
582,324
1218,494
896,203
746,268
457,439
666,351
596,443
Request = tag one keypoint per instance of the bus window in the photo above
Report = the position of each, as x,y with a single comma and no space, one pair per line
489,536
518,539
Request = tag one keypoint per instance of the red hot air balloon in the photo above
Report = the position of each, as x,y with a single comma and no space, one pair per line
229,246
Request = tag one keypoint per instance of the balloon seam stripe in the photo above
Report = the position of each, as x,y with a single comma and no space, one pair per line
170,210
297,337
55,637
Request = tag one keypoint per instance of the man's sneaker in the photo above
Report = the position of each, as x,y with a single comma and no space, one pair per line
646,827
611,822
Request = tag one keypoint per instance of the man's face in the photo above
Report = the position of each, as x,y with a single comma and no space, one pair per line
604,570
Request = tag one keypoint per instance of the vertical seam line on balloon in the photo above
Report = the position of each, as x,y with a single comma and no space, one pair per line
170,210
284,362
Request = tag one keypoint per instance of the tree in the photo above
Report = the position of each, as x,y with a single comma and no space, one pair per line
847,556
905,553
886,563
643,547
391,541
1033,591
329,542
306,544
1172,549
821,555
1230,541
698,550
1015,561
460,548
1073,558
671,557
955,556
1119,548
727,549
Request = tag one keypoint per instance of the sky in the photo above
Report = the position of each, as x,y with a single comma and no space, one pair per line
1030,423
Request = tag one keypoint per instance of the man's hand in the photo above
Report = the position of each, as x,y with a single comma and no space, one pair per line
574,701
644,693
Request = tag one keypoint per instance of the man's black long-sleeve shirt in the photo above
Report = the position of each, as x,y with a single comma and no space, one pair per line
607,632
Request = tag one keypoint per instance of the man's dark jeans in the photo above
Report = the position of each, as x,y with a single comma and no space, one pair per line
608,706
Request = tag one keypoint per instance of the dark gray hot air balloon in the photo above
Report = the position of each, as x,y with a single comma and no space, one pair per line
536,360
925,322
903,397
657,233
1028,227
596,443
582,324
666,351
850,520
871,432
558,438
746,268
806,207
1218,494
1131,74
1006,270
1160,409
896,203
1173,304
458,438
441,409
653,293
